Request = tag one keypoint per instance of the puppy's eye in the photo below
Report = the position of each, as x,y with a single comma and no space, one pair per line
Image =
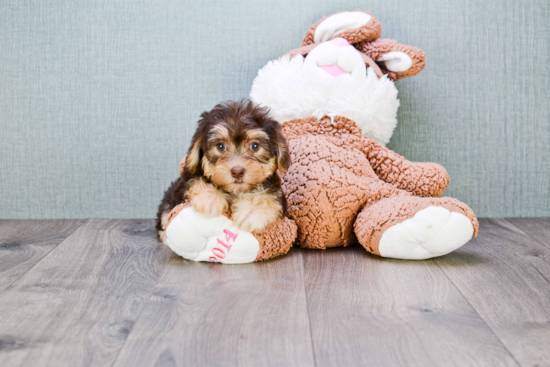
254,147
221,147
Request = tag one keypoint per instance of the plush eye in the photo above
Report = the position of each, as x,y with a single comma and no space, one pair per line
221,147
254,147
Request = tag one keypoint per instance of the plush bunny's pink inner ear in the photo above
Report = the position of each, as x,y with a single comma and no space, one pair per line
338,23
396,61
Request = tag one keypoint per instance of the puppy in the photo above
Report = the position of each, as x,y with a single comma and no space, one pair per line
231,167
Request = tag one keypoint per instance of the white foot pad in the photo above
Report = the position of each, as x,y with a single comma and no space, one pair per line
432,232
196,237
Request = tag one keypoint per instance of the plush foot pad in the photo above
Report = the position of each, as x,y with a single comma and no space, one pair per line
196,237
433,231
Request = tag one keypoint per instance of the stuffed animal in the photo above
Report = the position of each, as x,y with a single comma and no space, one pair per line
336,99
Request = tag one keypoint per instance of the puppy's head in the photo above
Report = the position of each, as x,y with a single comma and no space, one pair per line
237,146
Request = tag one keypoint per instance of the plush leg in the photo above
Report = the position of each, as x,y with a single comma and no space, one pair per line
196,237
408,227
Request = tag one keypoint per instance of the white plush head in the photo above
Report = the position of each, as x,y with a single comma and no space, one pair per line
332,80
337,78
334,69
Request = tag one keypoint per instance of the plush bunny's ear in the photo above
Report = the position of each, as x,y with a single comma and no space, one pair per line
354,26
396,60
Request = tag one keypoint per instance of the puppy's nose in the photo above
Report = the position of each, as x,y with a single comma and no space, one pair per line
237,172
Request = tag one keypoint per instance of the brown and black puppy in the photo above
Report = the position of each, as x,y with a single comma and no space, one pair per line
231,168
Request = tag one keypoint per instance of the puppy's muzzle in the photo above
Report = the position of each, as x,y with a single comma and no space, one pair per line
237,173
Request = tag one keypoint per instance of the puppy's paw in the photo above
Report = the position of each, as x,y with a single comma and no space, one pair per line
249,217
210,203
162,236
246,222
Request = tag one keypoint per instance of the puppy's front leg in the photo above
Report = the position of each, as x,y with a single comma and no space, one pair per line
207,199
253,211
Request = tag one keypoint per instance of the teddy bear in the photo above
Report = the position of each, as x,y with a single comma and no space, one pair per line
336,100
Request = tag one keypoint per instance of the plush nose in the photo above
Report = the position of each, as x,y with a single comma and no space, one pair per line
340,42
237,172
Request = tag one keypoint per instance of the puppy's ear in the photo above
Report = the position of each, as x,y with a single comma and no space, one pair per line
195,153
274,129
194,156
283,157
182,165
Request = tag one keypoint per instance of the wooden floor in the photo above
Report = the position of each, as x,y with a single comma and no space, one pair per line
105,293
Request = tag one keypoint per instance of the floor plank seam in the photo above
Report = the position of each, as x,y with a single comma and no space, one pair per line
477,313
307,307
142,309
43,257
527,234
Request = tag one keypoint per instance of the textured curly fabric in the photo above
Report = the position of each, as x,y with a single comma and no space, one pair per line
380,47
276,239
368,32
175,211
421,179
374,220
336,172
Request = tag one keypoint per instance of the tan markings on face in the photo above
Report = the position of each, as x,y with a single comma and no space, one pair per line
258,162
267,161
256,134
218,132
260,139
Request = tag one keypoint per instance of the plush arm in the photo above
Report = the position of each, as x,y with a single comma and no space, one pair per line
421,179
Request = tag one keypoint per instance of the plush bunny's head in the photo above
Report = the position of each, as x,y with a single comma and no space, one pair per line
342,69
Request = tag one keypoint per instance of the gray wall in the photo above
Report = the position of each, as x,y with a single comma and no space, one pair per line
99,99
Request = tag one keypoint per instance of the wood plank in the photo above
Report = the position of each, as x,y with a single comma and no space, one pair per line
23,243
505,275
366,310
204,314
537,228
77,306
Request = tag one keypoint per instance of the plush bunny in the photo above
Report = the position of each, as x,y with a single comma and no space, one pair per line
336,99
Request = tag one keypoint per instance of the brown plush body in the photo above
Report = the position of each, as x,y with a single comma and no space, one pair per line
344,188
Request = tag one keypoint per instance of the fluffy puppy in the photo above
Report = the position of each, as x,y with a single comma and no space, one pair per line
231,167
